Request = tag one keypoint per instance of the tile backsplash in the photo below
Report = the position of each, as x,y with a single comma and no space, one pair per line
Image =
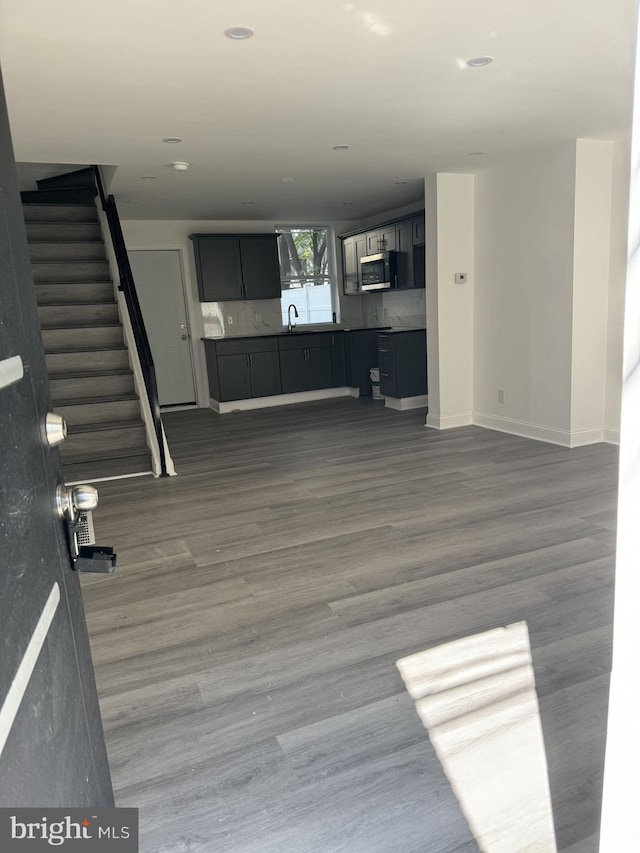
263,316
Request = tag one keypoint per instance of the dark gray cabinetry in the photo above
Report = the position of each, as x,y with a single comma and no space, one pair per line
243,368
353,248
361,354
306,362
230,267
402,358
383,239
406,237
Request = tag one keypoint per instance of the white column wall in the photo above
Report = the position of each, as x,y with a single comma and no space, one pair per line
450,202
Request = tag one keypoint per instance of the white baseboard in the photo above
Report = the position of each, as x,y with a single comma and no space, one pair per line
279,400
448,421
354,392
523,428
611,436
403,404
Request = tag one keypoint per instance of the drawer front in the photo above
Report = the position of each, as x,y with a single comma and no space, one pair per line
388,385
386,340
302,340
387,360
238,346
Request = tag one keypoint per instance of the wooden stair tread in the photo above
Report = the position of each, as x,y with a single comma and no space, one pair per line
89,374
96,401
99,455
75,429
84,348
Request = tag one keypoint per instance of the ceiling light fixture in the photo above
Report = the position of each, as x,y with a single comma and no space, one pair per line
401,183
476,153
238,33
148,177
479,61
286,180
179,166
172,140
341,147
246,202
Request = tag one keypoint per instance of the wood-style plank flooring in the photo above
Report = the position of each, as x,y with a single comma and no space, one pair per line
245,649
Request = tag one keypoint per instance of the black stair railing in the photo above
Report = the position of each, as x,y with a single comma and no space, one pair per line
127,286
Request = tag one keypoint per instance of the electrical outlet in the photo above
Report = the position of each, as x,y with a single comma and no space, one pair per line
230,320
500,395
460,278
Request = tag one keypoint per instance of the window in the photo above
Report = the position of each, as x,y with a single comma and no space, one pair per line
306,273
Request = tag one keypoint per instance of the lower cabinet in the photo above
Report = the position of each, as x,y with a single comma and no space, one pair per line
306,362
402,357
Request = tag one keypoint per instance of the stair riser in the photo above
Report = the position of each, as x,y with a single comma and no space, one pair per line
96,413
63,271
77,315
67,251
90,443
91,386
59,213
87,472
53,293
87,362
61,232
83,336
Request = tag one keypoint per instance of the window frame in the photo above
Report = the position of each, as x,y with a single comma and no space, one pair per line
332,271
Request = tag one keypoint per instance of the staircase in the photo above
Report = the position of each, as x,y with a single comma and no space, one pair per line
87,360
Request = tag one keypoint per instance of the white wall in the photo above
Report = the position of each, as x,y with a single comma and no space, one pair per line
524,227
591,260
617,277
450,317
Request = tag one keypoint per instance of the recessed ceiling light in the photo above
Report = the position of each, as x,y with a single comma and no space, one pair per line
172,140
479,61
401,183
341,147
476,153
286,180
148,177
246,202
238,33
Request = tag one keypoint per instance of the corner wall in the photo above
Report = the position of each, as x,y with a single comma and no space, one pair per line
524,217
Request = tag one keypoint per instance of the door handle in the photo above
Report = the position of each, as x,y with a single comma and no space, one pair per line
75,506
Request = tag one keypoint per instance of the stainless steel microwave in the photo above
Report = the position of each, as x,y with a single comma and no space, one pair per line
379,272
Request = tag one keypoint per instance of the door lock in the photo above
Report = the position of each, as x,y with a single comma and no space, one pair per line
74,505
55,428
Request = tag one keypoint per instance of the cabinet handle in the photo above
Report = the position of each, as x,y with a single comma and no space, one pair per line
250,361
382,350
386,375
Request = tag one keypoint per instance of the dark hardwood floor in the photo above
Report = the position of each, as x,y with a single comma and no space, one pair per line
245,649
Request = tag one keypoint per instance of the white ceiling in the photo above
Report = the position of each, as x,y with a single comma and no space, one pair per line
91,82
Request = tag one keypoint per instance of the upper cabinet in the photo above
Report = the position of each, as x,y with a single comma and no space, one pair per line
230,267
406,237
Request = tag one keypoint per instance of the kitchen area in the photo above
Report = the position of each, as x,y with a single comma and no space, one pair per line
261,351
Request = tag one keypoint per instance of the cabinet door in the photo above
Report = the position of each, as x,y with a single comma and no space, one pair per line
218,268
404,246
320,373
233,373
388,238
338,360
260,267
373,242
349,266
418,230
264,368
360,242
293,370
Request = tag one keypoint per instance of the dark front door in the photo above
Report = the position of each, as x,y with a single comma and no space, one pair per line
51,743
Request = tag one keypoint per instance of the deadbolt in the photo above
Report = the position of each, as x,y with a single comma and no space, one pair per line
55,428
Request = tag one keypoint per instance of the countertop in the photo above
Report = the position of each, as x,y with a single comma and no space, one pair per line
302,330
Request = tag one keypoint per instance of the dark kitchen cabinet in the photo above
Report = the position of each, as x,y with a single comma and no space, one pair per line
383,239
306,362
402,358
338,359
418,230
361,354
235,267
243,368
353,248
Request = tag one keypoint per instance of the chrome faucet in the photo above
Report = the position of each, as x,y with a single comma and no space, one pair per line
290,327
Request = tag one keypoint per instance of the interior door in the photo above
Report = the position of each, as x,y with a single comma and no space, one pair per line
52,749
158,278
